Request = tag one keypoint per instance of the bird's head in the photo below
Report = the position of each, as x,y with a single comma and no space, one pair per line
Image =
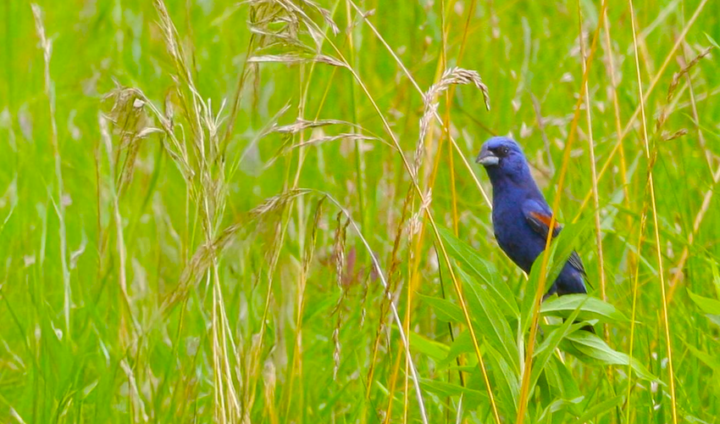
503,159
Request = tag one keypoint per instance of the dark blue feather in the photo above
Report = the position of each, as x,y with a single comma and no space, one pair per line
521,216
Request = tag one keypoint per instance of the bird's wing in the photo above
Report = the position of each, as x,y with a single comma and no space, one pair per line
539,216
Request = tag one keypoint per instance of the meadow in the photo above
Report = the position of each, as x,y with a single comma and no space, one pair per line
268,211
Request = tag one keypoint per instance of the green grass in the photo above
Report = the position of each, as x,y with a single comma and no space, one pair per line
241,213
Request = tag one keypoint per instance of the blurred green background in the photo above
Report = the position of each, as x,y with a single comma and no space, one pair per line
169,255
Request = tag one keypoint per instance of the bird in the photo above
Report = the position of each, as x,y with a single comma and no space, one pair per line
521,216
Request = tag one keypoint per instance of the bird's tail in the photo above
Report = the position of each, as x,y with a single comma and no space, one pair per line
588,328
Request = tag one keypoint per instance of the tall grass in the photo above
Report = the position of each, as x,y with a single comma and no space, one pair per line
268,212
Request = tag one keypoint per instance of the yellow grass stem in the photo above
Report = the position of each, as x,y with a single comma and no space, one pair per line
428,214
297,361
407,73
393,381
651,88
651,185
619,145
706,198
445,255
527,369
593,169
704,207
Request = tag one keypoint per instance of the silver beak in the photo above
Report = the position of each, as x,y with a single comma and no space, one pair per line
487,158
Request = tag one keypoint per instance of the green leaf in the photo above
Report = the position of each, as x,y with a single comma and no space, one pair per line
560,250
548,346
431,348
490,322
506,381
593,347
601,409
714,319
445,389
445,310
707,305
716,277
590,308
562,381
559,405
710,307
473,263
709,360
694,420
462,344
712,41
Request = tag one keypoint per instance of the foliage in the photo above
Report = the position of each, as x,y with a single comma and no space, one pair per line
267,211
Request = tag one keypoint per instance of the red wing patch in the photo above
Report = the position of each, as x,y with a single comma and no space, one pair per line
545,219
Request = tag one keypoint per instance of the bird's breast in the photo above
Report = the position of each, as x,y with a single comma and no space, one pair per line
514,235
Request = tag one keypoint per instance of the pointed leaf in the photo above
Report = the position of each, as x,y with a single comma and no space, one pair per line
507,382
491,324
462,344
445,310
561,379
560,250
431,348
559,405
592,308
445,389
709,360
548,346
474,264
707,305
601,409
595,348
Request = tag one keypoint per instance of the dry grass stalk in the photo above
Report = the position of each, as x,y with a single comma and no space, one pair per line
653,84
203,256
452,76
132,123
329,138
307,257
117,218
392,283
278,200
46,46
309,251
685,69
678,270
415,186
414,223
282,24
303,124
249,364
525,384
339,257
136,397
295,58
651,158
407,73
677,76
205,178
269,382
593,167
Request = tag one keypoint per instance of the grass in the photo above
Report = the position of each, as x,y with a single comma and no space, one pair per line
268,211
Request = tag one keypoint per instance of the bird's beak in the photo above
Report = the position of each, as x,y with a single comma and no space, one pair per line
487,158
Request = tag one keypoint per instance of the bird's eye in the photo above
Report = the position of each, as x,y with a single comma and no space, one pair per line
504,150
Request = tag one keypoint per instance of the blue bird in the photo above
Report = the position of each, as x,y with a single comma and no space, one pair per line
521,216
